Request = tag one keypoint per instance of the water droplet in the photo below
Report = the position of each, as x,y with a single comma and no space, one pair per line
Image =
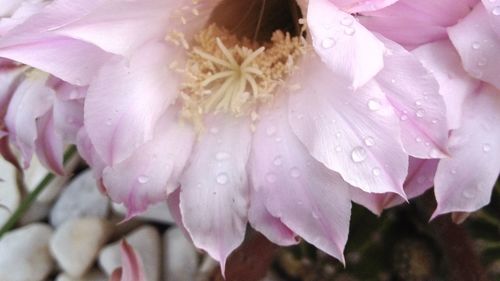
476,45
403,117
338,135
338,149
350,31
434,121
358,154
295,172
278,161
496,11
482,62
419,140
315,215
393,81
419,102
486,147
328,43
271,178
109,122
376,172
271,131
369,141
78,82
374,105
420,113
143,179
278,139
222,156
222,178
347,21
453,172
434,153
469,194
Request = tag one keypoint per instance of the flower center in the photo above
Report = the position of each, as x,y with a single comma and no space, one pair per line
230,72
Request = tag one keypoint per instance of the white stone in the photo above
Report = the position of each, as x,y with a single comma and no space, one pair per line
180,256
81,198
35,174
9,191
76,243
146,242
158,213
93,275
24,254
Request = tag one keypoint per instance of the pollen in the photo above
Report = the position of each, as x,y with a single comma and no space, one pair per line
225,74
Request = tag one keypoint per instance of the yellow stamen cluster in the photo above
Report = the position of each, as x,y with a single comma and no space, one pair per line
232,75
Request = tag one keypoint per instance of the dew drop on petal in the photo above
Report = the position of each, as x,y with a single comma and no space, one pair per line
403,117
496,11
358,154
338,148
486,147
369,141
420,113
109,122
143,179
469,194
222,178
270,131
271,178
419,140
347,21
476,45
376,172
295,172
374,105
222,156
328,43
315,215
278,161
350,31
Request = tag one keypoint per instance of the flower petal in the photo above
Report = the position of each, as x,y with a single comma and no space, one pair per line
358,6
308,198
262,221
353,133
460,186
125,101
478,45
89,154
214,191
349,49
412,23
132,267
31,100
455,84
414,94
49,145
493,9
152,172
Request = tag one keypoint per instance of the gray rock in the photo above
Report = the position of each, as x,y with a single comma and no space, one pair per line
146,242
93,275
180,256
24,254
81,198
76,243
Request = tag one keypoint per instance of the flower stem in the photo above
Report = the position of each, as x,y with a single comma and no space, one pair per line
32,196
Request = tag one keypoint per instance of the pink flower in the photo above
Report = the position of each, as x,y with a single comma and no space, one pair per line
467,70
132,268
276,131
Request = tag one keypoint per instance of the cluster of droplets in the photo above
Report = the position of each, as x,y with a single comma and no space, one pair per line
348,29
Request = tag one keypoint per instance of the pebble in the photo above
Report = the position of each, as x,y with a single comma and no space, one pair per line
76,243
39,211
146,241
158,213
93,275
81,198
180,256
9,192
24,253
